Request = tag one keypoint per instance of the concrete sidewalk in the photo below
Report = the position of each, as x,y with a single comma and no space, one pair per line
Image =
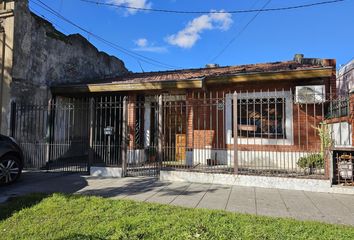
325,207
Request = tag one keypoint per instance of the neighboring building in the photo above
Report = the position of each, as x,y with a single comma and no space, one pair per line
34,55
278,106
345,78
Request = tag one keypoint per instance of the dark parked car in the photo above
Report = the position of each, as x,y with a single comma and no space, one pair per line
11,160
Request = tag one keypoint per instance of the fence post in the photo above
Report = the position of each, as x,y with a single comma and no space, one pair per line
49,134
13,119
91,112
124,136
160,134
234,99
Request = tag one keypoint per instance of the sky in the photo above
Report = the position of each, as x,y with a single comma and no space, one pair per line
158,41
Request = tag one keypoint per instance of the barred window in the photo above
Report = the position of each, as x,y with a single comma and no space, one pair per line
260,117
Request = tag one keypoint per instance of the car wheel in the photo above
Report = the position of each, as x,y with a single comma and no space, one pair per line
10,169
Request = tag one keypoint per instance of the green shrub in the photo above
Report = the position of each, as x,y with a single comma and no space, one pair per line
311,161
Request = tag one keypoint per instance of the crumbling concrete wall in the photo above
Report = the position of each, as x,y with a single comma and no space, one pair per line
43,56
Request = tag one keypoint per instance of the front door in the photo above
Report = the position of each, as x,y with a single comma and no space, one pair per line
181,147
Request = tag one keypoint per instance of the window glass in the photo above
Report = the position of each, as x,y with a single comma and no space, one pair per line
261,117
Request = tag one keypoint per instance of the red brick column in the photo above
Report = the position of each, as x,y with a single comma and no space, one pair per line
131,119
190,117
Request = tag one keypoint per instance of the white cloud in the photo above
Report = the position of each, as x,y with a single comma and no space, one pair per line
141,42
132,4
187,37
143,45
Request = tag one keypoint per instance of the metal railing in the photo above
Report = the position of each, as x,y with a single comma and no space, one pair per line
53,136
265,133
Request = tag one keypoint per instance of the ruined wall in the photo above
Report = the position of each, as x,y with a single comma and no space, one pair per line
43,56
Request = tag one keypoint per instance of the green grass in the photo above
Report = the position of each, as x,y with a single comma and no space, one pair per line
59,216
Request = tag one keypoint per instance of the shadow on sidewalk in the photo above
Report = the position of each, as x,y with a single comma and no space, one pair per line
36,185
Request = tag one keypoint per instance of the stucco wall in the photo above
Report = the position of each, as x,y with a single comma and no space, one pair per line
6,60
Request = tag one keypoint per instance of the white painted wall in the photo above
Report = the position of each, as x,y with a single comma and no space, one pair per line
147,124
341,134
135,156
259,159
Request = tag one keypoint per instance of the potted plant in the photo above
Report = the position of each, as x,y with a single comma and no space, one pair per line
311,162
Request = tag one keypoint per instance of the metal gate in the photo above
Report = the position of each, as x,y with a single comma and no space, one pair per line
107,131
53,136
123,134
143,157
73,134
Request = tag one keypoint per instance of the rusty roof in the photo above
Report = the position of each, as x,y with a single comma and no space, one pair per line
214,73
189,74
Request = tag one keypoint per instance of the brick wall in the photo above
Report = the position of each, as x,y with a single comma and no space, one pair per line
203,114
131,119
205,122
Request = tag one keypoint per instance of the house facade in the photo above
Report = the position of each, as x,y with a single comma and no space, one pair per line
187,118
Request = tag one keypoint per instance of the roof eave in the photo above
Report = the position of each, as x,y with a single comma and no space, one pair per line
197,83
273,76
124,86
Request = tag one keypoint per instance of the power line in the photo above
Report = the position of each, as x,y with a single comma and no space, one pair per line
111,44
56,25
134,55
240,32
109,4
241,20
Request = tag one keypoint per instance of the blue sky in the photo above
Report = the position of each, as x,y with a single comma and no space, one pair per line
193,40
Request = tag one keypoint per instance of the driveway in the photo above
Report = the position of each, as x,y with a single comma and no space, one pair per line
325,207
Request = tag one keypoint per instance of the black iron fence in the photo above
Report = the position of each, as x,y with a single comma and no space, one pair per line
268,133
53,136
107,130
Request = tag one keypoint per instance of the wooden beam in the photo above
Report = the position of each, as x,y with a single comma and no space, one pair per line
122,87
